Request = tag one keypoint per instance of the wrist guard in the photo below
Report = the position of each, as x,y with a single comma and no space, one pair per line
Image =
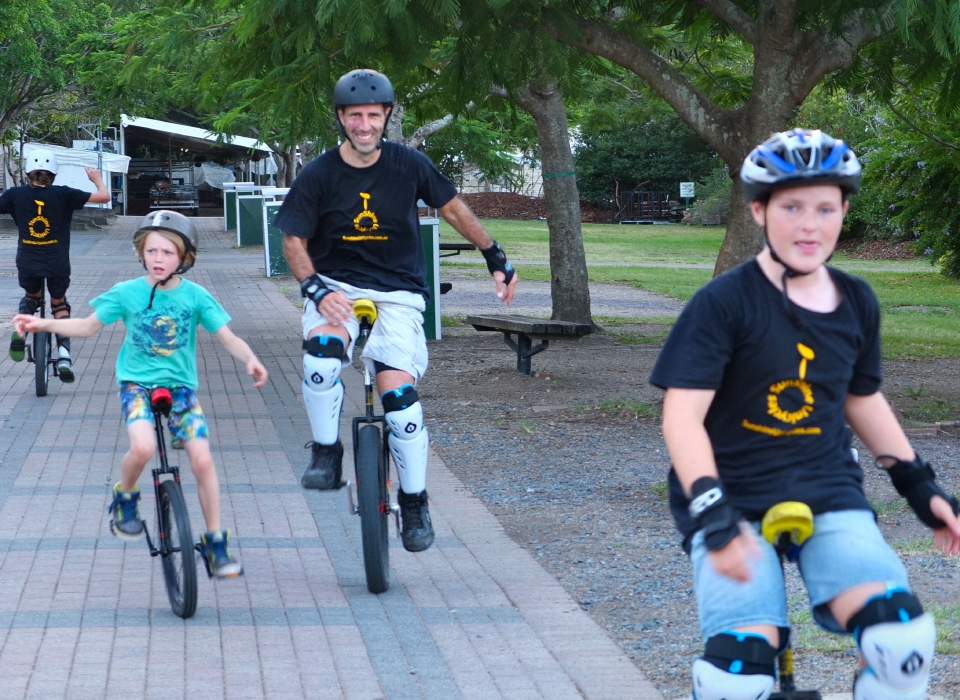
915,481
314,289
715,515
497,262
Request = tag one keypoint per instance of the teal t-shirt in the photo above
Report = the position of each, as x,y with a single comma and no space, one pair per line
160,348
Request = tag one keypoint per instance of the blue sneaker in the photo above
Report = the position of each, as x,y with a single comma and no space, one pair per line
125,523
219,560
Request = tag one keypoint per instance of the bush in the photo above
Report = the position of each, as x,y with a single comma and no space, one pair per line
712,205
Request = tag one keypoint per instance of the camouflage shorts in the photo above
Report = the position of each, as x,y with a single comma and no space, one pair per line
186,420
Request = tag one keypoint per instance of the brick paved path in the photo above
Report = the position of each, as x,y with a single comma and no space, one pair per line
84,616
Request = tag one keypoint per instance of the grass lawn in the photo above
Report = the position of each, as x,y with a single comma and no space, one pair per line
920,307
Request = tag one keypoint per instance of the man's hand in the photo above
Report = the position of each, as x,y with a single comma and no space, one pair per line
946,538
505,292
256,370
336,308
95,176
735,560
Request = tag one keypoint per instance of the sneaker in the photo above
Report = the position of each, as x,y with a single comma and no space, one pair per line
65,370
417,530
125,523
219,560
18,347
326,467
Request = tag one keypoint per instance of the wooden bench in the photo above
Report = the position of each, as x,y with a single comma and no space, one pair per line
526,330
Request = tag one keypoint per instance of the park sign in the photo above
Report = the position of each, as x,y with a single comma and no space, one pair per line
686,190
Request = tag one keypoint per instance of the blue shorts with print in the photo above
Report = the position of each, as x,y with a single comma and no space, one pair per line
845,550
186,421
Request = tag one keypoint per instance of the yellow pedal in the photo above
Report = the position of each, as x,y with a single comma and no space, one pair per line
365,311
792,519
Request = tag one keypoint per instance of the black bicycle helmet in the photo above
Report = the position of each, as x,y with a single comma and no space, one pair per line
361,87
175,222
798,158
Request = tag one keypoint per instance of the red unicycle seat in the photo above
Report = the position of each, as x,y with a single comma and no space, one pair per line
161,400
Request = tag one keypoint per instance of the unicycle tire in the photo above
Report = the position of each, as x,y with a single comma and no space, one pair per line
179,562
374,504
41,360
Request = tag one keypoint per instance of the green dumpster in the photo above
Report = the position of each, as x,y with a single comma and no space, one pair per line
274,261
430,233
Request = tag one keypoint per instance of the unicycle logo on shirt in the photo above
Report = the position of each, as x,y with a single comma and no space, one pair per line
790,388
39,227
366,223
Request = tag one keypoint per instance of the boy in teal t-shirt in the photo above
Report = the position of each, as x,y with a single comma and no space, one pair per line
161,312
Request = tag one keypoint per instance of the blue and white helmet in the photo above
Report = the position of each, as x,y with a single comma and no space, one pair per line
798,158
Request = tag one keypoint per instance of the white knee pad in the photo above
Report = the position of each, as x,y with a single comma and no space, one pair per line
899,655
711,683
409,442
323,395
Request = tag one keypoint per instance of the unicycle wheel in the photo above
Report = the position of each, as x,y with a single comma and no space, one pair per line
373,501
41,359
176,551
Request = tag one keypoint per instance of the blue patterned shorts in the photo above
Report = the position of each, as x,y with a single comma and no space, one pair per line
186,421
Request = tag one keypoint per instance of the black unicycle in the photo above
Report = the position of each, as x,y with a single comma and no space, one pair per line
40,350
175,539
371,457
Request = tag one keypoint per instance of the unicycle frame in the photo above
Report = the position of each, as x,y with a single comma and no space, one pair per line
161,402
31,348
375,583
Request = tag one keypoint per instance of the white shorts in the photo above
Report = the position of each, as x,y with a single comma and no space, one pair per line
397,338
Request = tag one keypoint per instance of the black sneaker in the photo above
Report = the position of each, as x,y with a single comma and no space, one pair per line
417,530
326,467
65,370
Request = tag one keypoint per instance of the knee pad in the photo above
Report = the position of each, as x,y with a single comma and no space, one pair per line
322,389
897,640
735,666
63,306
409,441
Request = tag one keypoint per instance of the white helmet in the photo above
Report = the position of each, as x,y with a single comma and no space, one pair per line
42,159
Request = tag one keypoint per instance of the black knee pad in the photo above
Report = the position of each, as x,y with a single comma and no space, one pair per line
63,306
399,398
741,653
896,606
325,346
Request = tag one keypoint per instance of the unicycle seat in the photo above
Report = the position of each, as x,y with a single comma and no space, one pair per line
161,400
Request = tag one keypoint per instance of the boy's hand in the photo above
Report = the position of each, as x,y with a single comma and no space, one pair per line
94,175
946,538
256,370
735,560
24,323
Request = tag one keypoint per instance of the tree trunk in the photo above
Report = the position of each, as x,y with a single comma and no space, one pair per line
744,238
569,283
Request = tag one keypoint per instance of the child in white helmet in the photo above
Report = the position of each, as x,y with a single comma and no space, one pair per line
763,371
43,212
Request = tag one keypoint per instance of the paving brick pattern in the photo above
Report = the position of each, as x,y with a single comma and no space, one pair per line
86,616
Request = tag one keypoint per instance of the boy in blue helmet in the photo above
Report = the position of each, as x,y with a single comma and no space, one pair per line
161,312
766,366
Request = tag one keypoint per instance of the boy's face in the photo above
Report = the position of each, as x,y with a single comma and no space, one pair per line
160,256
803,224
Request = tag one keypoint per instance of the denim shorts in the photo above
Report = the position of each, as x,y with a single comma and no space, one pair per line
845,550
186,421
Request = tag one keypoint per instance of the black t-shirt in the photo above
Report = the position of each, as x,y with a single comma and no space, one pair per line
362,223
43,216
777,423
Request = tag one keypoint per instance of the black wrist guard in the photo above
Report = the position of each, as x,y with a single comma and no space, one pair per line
497,262
314,289
915,481
718,519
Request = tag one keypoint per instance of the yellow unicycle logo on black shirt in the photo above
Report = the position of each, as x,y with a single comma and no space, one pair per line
39,227
781,414
366,223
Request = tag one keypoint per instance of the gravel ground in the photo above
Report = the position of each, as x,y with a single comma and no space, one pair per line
572,462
